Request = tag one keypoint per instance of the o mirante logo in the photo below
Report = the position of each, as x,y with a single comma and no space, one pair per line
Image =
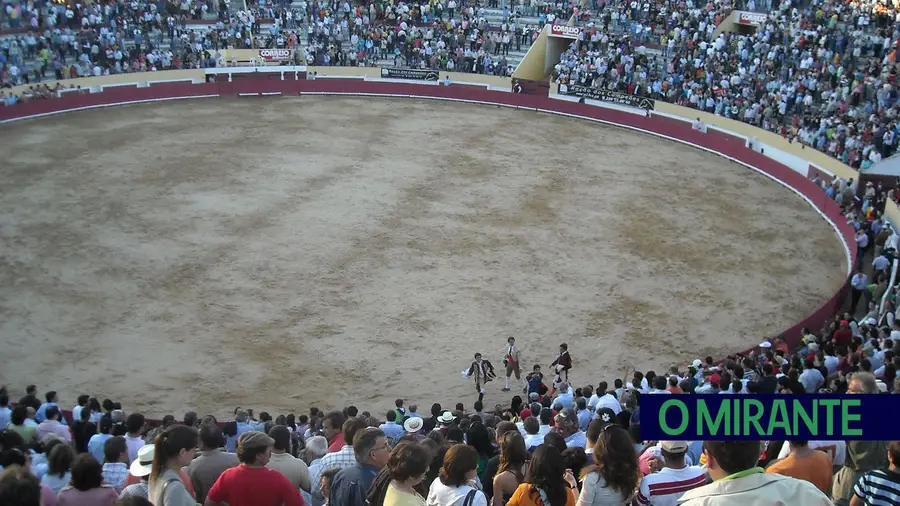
797,417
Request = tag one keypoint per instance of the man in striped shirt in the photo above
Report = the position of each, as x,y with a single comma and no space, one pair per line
882,486
665,487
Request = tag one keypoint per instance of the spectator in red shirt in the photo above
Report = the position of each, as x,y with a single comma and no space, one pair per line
331,428
251,483
843,335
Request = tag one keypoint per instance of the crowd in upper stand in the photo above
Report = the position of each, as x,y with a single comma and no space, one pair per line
822,73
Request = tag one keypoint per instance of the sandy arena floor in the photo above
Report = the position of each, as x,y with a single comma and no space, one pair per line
283,253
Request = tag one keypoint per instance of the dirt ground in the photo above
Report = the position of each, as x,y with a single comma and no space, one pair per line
284,253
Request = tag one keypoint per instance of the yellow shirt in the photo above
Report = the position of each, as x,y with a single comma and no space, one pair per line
395,497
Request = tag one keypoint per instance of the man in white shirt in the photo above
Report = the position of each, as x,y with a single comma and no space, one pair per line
666,486
134,424
533,437
606,399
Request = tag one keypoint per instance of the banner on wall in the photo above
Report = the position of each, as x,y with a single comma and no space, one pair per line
275,54
568,32
413,74
613,97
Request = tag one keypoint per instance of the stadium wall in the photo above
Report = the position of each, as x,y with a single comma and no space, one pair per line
727,138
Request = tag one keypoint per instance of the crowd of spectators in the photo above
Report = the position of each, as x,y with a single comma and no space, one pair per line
58,40
822,73
438,35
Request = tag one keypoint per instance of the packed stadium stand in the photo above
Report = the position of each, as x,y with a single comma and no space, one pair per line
819,74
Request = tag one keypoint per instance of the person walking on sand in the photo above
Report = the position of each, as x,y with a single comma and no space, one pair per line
483,371
564,360
511,361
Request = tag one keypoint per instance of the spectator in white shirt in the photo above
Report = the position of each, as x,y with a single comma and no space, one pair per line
533,438
134,424
5,411
606,399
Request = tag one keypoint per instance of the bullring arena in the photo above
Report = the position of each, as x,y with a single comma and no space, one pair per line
282,252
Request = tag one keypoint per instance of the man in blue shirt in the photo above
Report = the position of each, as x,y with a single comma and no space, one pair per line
391,428
52,400
351,485
566,397
567,427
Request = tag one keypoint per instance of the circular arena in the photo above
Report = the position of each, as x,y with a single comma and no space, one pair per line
302,251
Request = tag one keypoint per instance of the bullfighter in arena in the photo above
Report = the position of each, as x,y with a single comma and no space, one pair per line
564,360
511,361
483,371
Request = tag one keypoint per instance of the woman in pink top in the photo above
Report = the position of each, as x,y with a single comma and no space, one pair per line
87,488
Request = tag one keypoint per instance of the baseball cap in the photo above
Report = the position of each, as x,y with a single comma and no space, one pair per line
714,378
254,440
674,446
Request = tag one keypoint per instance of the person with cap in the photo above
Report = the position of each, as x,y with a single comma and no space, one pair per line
252,483
140,468
351,485
732,465
212,461
242,425
393,430
674,477
294,469
445,421
567,426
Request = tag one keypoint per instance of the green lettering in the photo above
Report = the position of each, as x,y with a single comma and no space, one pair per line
847,417
735,409
812,424
704,419
752,418
684,417
778,417
829,405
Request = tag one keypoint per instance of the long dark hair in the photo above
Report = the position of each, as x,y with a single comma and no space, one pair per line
478,437
547,472
513,454
615,459
168,444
